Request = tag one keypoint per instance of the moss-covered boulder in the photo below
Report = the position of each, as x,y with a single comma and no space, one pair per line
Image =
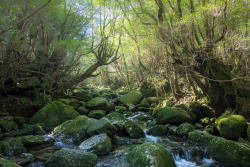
229,153
117,120
100,103
34,140
131,99
82,110
173,115
144,103
70,101
71,158
36,129
184,107
231,126
150,155
7,163
8,125
184,129
19,121
54,114
102,126
248,132
97,114
172,130
74,130
98,144
133,129
120,109
12,146
157,130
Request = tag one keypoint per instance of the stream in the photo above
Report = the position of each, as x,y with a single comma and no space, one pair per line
184,153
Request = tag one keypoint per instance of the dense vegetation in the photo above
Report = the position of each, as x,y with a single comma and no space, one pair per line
190,54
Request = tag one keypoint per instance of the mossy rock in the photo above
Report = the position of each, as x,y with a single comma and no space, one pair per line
34,140
227,152
97,114
131,99
173,115
148,92
102,126
184,129
117,120
69,101
83,111
172,130
100,103
71,158
157,130
36,129
7,163
12,146
98,144
120,109
133,129
231,126
144,103
143,118
19,121
54,114
248,132
75,130
8,126
150,124
184,107
150,155
153,100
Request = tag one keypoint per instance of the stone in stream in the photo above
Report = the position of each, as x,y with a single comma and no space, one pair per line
54,114
100,103
184,107
97,114
172,130
8,125
157,130
36,129
71,158
34,140
184,129
133,129
12,146
117,120
173,115
131,99
120,109
231,126
150,155
74,130
101,126
98,144
229,153
7,163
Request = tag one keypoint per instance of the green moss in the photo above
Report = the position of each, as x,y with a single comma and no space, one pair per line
227,152
97,114
150,155
97,103
130,99
157,130
173,116
231,126
12,146
184,129
184,107
54,114
133,129
7,163
33,140
8,126
36,129
102,126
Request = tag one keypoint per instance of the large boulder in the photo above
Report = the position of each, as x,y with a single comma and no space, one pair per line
74,130
97,114
150,155
102,126
157,130
131,99
71,158
12,146
229,153
7,163
54,114
133,129
8,125
184,129
100,103
98,144
117,120
184,107
173,115
34,140
231,126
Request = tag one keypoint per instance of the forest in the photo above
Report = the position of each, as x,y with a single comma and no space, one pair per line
124,83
